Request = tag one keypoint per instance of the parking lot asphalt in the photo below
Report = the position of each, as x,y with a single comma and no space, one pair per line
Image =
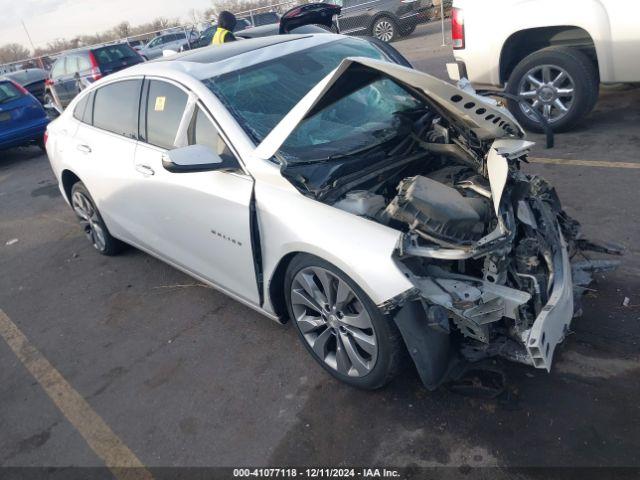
184,376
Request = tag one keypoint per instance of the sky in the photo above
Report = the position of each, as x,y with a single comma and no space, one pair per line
47,20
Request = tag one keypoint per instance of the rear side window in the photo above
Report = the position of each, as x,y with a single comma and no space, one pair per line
84,63
203,132
115,108
165,106
78,112
72,64
58,68
8,92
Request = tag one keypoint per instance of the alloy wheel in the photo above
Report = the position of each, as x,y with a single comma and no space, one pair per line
383,30
548,89
89,220
334,321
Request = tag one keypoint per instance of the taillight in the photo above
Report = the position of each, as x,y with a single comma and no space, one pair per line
96,74
23,90
457,28
48,82
45,137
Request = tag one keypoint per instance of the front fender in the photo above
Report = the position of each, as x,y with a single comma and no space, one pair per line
290,222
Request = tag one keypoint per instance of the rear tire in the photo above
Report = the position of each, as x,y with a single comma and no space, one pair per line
92,222
566,96
340,326
385,29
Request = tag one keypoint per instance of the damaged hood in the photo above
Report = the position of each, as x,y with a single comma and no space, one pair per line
485,119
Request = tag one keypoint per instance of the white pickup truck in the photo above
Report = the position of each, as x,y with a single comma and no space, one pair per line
553,53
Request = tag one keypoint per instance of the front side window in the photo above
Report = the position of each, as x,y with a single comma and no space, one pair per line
203,132
115,108
165,107
259,96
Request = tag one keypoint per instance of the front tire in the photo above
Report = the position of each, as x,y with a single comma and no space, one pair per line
409,30
560,82
384,29
340,326
92,222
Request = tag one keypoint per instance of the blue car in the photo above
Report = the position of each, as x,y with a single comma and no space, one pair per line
23,120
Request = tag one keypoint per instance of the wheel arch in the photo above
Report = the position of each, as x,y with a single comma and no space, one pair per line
275,288
68,179
378,16
381,291
525,42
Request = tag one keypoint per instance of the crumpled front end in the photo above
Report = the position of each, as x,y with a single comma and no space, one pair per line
506,289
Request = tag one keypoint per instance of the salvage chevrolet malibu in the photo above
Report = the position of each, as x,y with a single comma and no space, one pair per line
319,178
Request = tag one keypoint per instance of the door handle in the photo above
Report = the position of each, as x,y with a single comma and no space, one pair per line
84,148
145,169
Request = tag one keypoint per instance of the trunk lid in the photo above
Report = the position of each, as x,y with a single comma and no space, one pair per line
483,118
309,14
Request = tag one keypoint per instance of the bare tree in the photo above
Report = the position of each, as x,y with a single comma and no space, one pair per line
122,30
12,52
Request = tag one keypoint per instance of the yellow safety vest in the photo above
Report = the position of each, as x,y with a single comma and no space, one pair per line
220,35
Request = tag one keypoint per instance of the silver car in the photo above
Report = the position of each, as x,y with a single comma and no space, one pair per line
169,41
316,178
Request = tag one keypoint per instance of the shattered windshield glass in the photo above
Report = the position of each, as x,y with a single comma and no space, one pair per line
259,96
370,116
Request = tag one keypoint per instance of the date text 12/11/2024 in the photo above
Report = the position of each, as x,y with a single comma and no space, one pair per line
316,473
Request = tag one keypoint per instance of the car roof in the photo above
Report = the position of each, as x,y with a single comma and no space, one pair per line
217,53
83,50
212,61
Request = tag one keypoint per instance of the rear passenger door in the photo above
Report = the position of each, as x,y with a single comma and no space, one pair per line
71,78
356,16
198,221
57,80
104,148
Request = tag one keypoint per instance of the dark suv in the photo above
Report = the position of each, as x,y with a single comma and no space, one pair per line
385,20
73,68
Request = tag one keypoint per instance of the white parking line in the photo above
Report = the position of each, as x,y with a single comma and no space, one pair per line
116,455
583,163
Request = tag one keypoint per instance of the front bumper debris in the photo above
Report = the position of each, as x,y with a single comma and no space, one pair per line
552,324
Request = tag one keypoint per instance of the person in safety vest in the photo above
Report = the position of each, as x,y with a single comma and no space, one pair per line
224,32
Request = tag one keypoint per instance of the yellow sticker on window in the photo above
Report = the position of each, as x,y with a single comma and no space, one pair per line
160,104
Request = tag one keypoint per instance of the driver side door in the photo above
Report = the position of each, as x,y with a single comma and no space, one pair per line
198,221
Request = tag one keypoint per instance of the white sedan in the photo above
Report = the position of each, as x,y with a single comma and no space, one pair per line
319,178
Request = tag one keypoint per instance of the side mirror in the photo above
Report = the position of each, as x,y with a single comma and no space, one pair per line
194,158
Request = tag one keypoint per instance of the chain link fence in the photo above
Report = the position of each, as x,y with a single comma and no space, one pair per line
358,17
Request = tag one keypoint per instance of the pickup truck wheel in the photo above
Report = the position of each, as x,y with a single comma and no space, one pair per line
340,326
385,29
561,83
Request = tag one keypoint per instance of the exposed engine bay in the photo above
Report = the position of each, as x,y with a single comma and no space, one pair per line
487,247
